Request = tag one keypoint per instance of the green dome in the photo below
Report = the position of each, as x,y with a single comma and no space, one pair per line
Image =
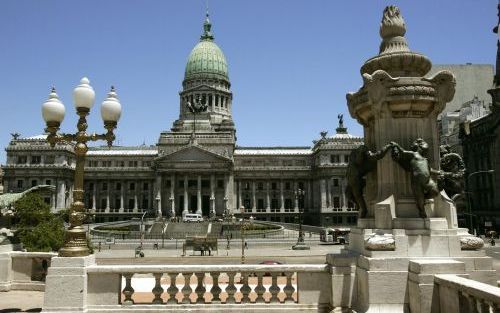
206,60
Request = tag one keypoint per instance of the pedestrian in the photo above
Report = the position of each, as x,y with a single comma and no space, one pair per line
246,245
99,247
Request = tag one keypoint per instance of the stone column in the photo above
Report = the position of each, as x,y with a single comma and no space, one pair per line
240,201
198,196
136,204
282,196
107,197
342,192
227,178
212,193
185,209
172,195
254,198
52,199
94,196
158,204
322,188
268,197
296,200
61,190
328,192
122,197
309,197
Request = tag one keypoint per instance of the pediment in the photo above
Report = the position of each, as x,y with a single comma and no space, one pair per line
193,154
200,88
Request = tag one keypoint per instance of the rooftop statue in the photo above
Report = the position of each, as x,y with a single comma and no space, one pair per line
361,162
8,199
415,161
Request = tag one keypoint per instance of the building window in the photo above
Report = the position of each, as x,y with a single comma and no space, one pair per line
105,186
260,186
180,184
205,183
36,159
132,163
145,186
146,163
247,205
301,185
288,205
118,186
274,186
22,159
34,182
274,205
336,202
346,158
337,220
335,182
168,183
352,220
192,183
287,186
220,183
49,159
246,186
131,204
334,158
121,163
132,186
260,205
91,186
48,182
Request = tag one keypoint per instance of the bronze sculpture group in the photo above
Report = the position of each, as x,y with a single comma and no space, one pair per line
426,182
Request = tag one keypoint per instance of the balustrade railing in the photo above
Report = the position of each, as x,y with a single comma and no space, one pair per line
205,284
455,294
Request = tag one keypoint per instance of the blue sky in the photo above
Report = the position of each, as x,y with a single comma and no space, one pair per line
291,62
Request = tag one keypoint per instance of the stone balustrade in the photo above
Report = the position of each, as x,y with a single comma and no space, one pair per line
301,287
455,294
24,270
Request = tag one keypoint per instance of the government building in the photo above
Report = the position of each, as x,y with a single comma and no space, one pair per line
196,166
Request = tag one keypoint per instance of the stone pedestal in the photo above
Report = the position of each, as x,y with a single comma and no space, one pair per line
66,284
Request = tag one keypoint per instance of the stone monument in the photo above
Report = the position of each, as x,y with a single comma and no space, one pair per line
409,225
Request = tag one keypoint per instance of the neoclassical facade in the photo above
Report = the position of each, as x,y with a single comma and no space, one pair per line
196,166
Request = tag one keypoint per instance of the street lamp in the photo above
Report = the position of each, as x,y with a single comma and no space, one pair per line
53,112
243,227
468,194
300,245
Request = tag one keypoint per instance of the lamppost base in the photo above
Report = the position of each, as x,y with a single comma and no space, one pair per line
75,244
300,246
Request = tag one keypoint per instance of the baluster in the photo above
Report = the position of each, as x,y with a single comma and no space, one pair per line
128,291
231,288
157,290
216,290
260,289
172,289
245,288
186,290
274,289
200,289
483,306
288,288
468,304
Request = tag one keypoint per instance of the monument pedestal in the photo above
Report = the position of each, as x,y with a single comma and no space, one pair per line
66,284
393,263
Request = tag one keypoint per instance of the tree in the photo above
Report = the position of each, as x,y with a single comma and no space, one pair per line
37,228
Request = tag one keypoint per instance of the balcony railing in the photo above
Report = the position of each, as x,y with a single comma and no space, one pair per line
455,294
201,285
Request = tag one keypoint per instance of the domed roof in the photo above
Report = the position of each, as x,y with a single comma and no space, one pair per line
206,60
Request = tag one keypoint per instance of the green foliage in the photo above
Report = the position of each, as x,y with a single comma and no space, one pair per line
63,214
31,210
46,236
37,228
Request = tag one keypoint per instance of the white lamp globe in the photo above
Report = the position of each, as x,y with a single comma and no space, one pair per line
53,109
111,109
84,95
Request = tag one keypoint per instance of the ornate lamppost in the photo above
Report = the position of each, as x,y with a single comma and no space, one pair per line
300,245
196,108
53,112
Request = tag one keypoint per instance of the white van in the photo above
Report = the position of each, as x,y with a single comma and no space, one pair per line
192,218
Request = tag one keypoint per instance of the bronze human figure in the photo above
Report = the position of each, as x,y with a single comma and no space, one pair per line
453,167
361,162
415,161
